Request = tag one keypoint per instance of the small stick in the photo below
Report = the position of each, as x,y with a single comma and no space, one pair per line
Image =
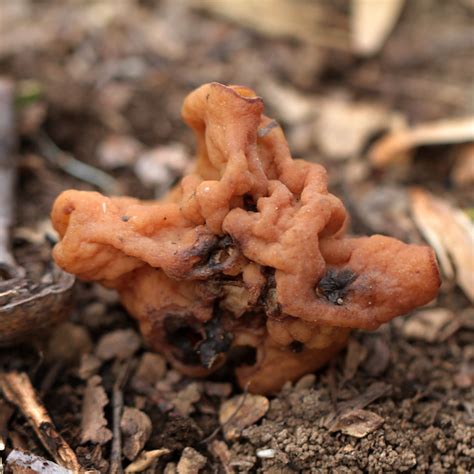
117,408
18,390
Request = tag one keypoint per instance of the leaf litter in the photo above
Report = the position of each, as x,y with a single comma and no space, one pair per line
103,90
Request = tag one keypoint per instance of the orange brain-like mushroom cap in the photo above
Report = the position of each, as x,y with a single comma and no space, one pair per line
247,251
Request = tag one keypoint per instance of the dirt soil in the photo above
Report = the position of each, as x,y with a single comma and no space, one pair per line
103,82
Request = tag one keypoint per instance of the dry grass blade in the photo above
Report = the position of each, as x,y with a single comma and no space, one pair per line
396,144
451,234
17,389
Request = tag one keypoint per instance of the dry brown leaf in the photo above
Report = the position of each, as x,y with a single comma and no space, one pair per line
191,462
427,325
93,422
136,429
307,21
145,460
342,127
450,232
372,22
357,423
241,411
119,344
395,145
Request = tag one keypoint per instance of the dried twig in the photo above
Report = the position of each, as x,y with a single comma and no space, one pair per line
117,407
18,390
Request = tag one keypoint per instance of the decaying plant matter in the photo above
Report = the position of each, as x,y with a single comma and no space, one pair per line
246,259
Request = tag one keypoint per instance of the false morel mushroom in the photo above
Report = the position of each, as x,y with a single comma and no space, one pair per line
246,260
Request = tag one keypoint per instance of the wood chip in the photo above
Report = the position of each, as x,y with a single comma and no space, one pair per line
450,232
119,344
241,411
191,462
136,429
357,423
428,324
145,460
94,424
372,22
391,147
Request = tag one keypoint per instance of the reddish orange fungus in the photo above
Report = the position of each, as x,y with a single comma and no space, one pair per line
246,258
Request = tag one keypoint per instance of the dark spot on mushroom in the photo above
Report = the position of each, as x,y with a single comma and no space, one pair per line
334,285
217,341
296,346
184,335
269,296
242,355
249,203
216,257
125,218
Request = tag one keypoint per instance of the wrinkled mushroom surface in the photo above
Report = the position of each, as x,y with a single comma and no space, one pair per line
246,259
